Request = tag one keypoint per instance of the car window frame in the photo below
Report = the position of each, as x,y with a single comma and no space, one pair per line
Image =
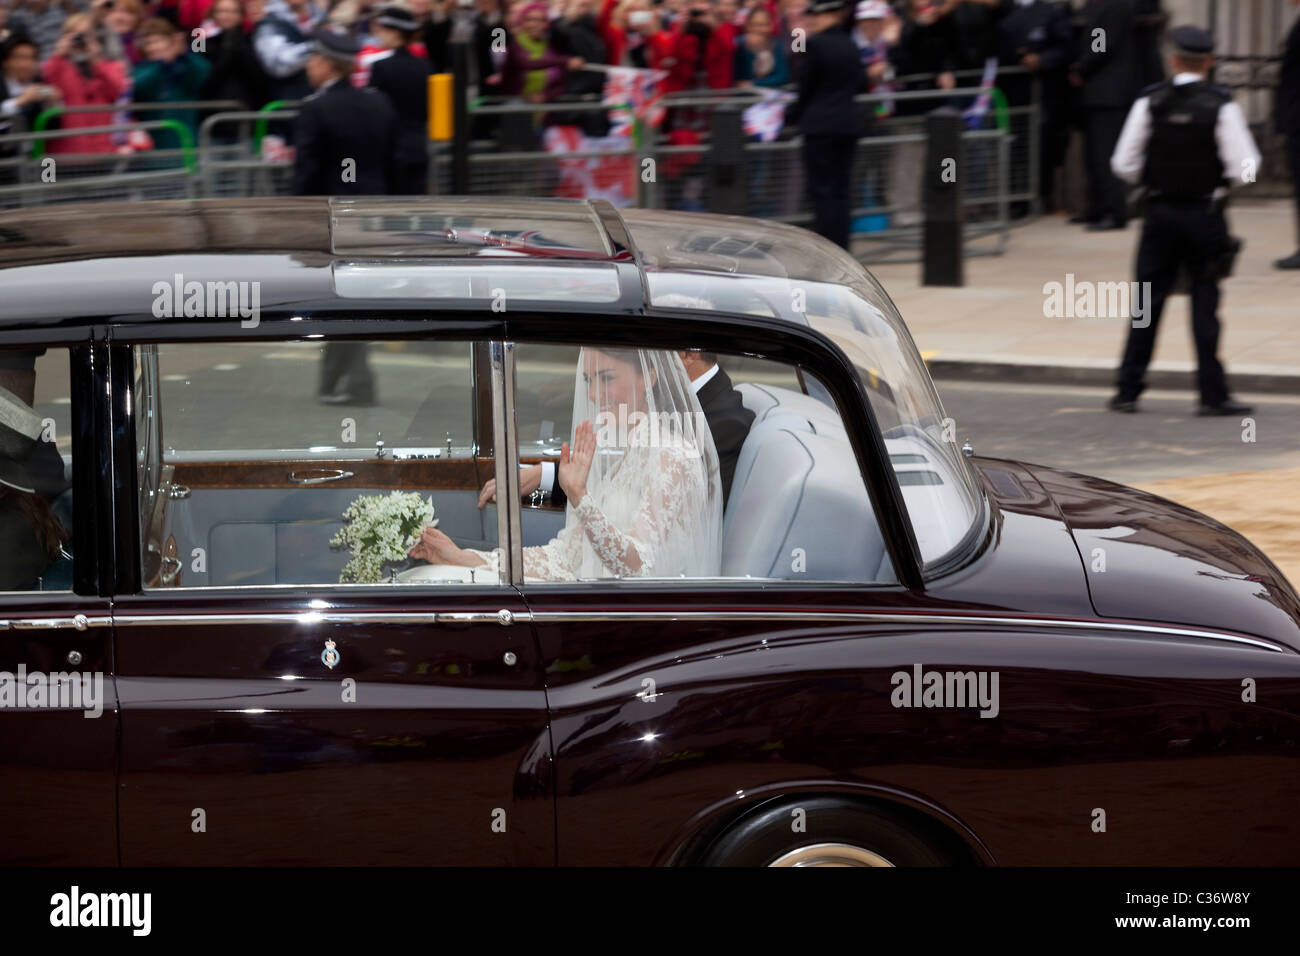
91,450
127,577
775,340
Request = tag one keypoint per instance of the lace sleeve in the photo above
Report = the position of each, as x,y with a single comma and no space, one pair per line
492,560
637,551
557,560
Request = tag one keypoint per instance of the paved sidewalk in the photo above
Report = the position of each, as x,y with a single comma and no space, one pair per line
995,325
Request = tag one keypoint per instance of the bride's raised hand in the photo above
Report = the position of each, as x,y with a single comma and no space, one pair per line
575,462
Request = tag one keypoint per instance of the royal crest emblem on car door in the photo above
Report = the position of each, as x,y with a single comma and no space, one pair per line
330,656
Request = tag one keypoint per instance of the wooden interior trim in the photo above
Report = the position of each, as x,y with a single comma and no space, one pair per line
456,474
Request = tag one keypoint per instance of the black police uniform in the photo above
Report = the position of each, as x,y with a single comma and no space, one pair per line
337,124
830,123
1183,227
404,79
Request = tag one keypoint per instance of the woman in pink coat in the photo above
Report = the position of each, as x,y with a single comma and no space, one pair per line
84,78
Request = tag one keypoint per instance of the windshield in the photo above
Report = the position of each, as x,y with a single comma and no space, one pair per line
822,287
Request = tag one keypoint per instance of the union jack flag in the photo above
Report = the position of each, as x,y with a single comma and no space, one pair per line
633,96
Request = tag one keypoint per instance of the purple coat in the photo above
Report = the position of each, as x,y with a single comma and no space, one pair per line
519,62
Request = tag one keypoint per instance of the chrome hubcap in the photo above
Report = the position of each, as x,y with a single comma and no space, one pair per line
830,854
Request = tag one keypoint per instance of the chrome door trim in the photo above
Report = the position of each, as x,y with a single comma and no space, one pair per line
507,616
505,446
78,622
504,616
859,617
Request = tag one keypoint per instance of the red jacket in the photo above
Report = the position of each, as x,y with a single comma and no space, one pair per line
105,86
718,60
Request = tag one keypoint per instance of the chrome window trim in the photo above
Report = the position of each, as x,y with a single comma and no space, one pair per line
575,617
506,445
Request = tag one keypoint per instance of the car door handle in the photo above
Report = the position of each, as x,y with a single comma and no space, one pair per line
504,617
318,476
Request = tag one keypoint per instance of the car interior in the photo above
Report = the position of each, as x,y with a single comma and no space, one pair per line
267,518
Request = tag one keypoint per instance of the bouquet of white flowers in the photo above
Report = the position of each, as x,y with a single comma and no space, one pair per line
381,528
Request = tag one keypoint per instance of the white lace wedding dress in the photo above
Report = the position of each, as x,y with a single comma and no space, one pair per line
653,506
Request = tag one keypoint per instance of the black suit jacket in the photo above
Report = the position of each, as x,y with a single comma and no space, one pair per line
338,123
1042,28
728,420
830,77
1288,85
1111,79
404,79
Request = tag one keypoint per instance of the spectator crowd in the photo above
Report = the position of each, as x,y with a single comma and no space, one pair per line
118,53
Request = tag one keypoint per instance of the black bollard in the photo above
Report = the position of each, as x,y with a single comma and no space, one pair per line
941,191
726,163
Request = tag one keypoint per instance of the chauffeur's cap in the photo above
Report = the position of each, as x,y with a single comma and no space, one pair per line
1194,40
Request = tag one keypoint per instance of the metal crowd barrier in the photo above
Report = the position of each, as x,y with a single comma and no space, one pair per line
1001,169
94,177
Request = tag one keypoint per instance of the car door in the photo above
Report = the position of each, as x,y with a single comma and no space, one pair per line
272,715
58,711
673,697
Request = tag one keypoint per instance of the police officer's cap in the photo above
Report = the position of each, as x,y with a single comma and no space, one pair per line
871,10
399,18
1193,40
335,42
826,6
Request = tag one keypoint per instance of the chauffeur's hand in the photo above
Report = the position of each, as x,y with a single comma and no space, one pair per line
575,462
530,479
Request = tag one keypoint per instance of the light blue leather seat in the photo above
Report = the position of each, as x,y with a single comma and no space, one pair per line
798,508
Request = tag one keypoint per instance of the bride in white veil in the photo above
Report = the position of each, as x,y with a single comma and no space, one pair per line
641,476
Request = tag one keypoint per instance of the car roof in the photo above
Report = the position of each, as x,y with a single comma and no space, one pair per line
101,259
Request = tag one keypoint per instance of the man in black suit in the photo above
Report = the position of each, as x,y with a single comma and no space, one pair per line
345,137
829,120
1288,121
724,412
1107,71
404,78
1037,35
345,147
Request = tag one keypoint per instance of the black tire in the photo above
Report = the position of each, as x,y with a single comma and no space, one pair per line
767,834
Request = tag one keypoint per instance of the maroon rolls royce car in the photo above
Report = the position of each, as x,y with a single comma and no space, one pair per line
311,557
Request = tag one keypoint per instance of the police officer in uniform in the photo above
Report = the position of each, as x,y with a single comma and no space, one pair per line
831,75
404,78
345,138
1185,141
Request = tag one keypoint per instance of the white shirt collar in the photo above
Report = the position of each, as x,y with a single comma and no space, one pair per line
703,380
1181,78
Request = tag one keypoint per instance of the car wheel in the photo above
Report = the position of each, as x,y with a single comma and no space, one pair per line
829,832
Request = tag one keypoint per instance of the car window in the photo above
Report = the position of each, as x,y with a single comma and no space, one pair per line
35,470
702,465
309,462
937,485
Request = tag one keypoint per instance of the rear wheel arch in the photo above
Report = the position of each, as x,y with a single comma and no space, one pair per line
951,843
